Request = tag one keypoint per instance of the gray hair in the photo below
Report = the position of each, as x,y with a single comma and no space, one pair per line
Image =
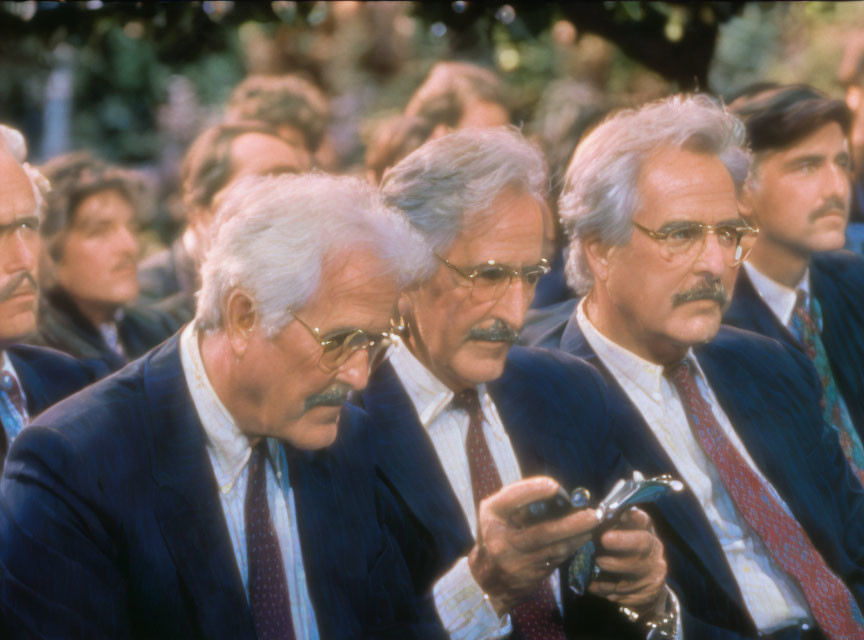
272,235
451,181
600,193
14,141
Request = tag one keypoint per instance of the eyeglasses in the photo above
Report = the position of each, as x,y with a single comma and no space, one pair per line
338,347
683,240
489,280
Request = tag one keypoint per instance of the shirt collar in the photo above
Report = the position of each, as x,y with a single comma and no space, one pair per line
428,394
779,298
228,445
645,375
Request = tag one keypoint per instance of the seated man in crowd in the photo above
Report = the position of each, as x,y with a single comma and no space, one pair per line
31,378
768,540
795,286
218,156
462,417
184,497
90,233
294,107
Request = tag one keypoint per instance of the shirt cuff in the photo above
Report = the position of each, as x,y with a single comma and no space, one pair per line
464,609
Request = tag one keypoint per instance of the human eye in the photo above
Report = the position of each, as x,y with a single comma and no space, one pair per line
727,233
492,273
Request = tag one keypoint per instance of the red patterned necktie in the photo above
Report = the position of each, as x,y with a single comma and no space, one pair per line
268,587
831,603
538,617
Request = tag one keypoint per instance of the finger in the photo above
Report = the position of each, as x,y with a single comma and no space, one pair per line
574,530
633,518
520,493
645,589
632,542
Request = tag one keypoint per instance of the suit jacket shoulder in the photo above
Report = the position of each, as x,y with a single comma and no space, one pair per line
49,376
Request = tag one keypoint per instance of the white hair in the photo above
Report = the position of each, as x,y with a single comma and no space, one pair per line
600,191
272,235
450,182
14,142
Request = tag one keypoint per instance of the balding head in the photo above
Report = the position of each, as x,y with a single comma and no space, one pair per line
19,250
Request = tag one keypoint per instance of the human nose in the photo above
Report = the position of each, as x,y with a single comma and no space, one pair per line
21,252
355,370
513,305
713,257
127,240
837,183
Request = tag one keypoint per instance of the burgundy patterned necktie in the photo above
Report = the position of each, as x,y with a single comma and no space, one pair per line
268,587
831,603
538,617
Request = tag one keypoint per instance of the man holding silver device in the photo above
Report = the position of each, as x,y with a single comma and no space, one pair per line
463,417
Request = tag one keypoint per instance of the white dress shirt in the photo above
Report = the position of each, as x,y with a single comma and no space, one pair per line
460,601
229,451
779,298
773,599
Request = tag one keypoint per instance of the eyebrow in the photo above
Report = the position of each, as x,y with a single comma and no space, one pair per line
31,220
813,157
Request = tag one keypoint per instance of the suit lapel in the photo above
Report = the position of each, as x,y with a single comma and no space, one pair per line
32,384
411,463
188,507
684,515
749,311
325,538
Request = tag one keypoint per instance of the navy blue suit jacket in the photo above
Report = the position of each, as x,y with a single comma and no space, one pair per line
555,411
111,524
771,395
48,376
837,280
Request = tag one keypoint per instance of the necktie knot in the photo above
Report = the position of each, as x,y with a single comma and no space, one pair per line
467,400
10,386
801,305
679,372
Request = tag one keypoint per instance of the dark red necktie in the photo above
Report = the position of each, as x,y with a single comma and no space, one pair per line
268,587
538,617
831,603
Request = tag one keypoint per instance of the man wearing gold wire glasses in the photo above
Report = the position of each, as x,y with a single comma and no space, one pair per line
471,429
768,541
188,495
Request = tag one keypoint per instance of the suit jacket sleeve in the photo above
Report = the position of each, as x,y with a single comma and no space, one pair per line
60,568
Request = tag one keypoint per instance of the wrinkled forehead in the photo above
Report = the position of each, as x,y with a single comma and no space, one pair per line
17,196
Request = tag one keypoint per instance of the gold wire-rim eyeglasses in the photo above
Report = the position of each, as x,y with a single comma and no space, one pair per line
739,232
337,348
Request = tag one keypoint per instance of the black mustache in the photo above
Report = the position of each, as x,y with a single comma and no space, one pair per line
498,332
832,204
713,290
333,396
7,291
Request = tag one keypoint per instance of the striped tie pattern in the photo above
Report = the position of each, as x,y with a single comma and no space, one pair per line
805,326
538,617
13,413
268,587
831,603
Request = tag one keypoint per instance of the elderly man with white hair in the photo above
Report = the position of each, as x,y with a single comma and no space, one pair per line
188,495
472,430
31,378
768,540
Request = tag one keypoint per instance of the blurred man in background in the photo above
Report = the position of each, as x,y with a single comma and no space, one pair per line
31,378
796,287
219,155
91,240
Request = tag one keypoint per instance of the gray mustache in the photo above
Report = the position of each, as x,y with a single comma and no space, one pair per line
498,332
832,204
713,290
333,396
7,291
